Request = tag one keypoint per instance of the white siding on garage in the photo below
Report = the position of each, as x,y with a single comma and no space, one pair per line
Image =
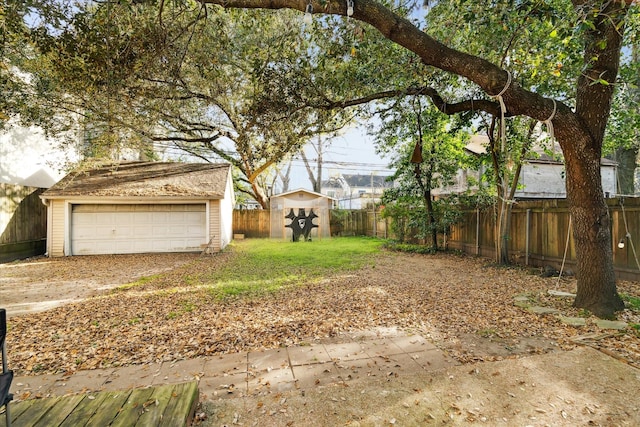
56,227
121,228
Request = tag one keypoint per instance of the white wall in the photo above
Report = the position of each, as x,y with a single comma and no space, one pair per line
543,180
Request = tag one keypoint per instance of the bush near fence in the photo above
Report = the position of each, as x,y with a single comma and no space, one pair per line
539,234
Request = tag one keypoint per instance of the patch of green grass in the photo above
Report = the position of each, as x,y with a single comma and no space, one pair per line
187,306
264,265
487,333
409,248
633,303
141,281
583,312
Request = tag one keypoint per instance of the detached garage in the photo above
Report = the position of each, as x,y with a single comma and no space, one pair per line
140,207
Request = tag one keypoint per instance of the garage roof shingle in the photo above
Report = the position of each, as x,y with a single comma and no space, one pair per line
144,179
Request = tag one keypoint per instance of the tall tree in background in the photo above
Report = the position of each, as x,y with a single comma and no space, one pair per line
17,51
184,77
599,27
507,159
315,177
427,153
623,132
519,36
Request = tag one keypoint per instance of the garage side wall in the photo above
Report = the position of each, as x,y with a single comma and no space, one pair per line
226,213
56,228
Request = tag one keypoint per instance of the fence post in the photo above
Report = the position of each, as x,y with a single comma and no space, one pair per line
477,231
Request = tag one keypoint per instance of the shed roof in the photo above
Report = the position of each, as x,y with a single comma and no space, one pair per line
301,190
144,179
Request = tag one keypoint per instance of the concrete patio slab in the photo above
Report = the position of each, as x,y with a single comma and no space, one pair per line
380,347
308,355
226,364
345,351
268,359
357,369
35,386
266,382
83,381
412,343
319,374
223,386
131,377
398,365
179,372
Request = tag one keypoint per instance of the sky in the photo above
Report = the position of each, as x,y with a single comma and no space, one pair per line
350,153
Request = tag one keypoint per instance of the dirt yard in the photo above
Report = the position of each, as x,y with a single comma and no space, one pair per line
474,311
39,284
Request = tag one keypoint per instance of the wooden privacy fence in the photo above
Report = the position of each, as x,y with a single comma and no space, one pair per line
255,223
540,234
252,223
23,222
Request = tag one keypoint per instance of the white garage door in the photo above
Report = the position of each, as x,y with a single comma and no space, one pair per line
125,229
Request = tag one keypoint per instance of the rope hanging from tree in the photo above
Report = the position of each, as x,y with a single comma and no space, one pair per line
566,249
503,137
627,233
503,111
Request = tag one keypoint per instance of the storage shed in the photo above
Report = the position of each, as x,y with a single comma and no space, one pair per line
140,207
300,204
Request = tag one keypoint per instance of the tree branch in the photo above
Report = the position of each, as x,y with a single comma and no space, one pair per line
447,108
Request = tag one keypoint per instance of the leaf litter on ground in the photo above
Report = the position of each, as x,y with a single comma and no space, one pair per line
463,304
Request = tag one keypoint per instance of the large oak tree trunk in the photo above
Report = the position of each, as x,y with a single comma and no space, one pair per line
592,235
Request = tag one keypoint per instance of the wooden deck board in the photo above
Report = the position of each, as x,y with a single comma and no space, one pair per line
164,406
89,406
60,411
180,410
109,409
17,410
37,408
133,408
172,405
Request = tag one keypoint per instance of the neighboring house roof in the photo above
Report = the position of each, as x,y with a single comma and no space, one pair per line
333,182
144,179
301,190
366,181
478,144
547,160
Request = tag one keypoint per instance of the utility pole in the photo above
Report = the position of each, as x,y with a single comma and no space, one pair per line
373,206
